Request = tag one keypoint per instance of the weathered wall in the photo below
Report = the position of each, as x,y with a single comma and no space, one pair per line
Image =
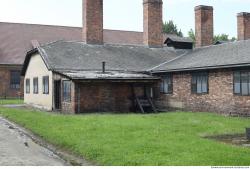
5,90
37,68
220,99
105,97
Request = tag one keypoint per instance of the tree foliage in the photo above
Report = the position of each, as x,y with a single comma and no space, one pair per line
219,37
171,28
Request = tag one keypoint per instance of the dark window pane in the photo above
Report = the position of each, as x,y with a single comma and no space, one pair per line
193,85
244,83
66,91
46,85
167,84
27,86
199,84
237,85
15,78
35,85
204,84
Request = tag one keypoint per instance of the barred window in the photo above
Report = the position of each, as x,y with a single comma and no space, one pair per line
27,83
35,85
46,85
242,83
199,83
66,91
15,78
167,84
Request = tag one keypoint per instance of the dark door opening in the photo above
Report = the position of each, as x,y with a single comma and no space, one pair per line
57,94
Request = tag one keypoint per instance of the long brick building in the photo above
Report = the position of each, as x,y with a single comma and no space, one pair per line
90,75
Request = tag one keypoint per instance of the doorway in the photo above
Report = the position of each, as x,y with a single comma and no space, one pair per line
57,94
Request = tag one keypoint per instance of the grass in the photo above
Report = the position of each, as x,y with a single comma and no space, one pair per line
160,139
10,101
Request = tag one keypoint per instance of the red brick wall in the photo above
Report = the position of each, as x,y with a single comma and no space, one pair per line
93,21
204,26
220,98
243,26
152,13
105,97
5,90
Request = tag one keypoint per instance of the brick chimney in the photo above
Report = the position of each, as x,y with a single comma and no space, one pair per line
243,26
204,25
152,23
93,21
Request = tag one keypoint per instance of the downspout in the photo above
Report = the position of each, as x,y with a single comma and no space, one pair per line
78,99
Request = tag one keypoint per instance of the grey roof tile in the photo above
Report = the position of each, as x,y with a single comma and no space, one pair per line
224,55
64,55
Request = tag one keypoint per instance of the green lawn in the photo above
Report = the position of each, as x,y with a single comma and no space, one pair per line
160,139
10,101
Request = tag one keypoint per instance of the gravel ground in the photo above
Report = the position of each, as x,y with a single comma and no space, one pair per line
17,149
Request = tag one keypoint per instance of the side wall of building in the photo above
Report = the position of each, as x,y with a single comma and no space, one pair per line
38,69
87,97
5,83
220,99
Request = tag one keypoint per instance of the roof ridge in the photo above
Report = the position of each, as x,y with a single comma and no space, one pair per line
223,44
179,57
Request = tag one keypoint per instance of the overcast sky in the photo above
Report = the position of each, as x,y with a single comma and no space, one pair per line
121,14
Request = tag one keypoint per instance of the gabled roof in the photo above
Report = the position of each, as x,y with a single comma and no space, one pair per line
16,38
227,55
64,56
176,38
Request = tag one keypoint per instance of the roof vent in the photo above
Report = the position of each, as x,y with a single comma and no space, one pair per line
103,67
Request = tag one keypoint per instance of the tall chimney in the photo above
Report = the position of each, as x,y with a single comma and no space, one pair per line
204,25
93,21
152,23
243,26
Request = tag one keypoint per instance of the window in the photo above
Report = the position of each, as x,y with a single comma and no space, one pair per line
66,91
35,85
242,83
15,78
167,84
27,83
46,85
199,83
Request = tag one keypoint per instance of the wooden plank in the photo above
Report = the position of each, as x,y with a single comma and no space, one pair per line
152,104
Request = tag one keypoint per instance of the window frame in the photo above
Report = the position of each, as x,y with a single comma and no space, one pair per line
26,86
240,82
67,98
12,85
162,87
201,75
35,92
45,79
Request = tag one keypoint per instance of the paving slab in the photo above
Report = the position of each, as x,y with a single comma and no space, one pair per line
17,149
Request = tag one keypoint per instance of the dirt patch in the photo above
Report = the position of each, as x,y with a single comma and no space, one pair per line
234,139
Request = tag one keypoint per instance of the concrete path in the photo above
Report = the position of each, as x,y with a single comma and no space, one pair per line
19,150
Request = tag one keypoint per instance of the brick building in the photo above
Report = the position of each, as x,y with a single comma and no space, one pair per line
212,78
94,76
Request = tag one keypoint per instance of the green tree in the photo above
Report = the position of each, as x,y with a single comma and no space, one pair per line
220,37
171,28
191,34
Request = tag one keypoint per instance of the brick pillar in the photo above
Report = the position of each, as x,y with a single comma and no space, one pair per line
152,13
243,26
204,25
93,21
